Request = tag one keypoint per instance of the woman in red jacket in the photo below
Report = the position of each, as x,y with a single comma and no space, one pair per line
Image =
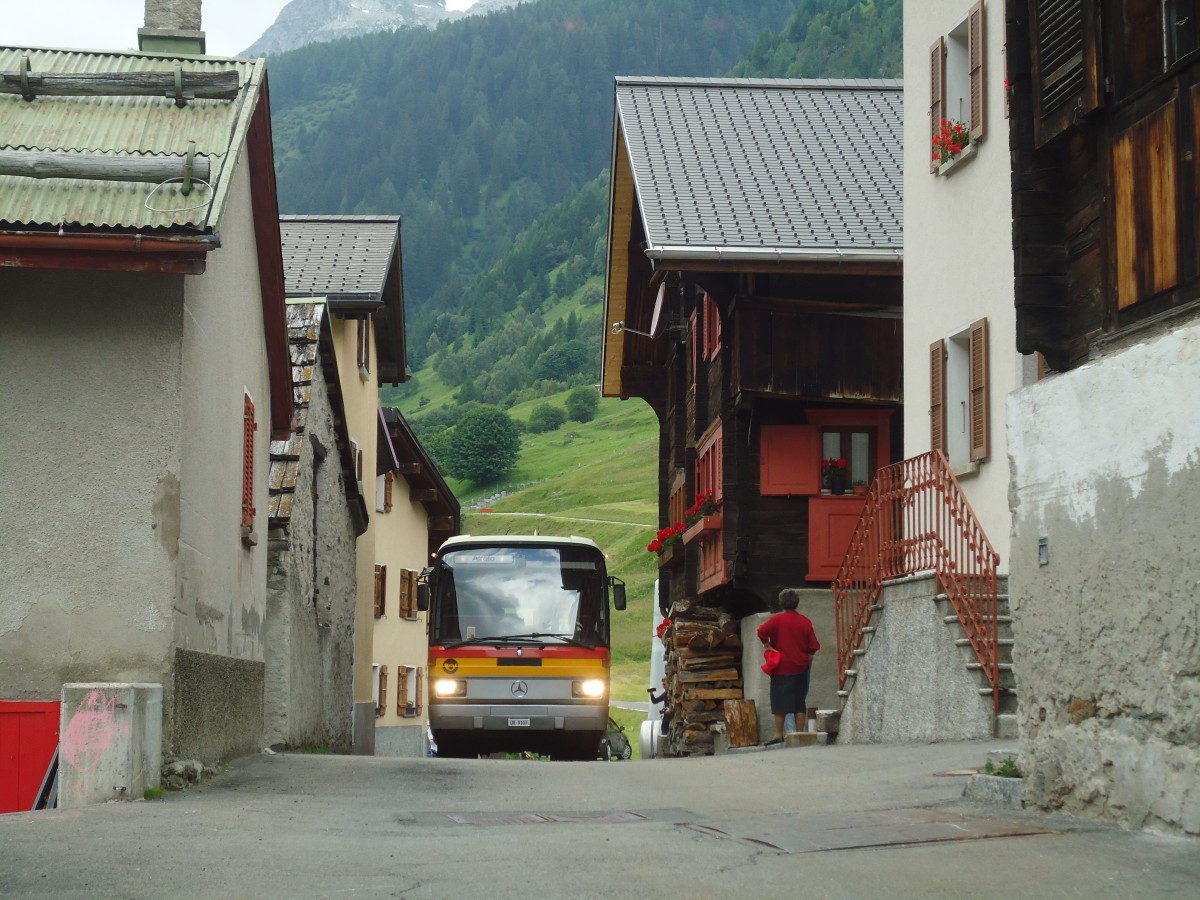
791,633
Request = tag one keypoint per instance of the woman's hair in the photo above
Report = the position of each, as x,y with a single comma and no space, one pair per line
788,599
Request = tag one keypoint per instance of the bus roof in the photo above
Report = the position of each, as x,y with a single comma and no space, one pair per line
502,540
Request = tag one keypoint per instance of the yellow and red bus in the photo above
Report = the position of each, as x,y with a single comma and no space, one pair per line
519,654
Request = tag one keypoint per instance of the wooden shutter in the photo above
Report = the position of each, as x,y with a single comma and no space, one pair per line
401,690
979,391
418,695
937,95
1145,206
248,428
405,593
380,590
388,478
1064,39
976,52
382,691
937,396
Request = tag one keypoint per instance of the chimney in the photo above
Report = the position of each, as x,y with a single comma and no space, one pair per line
172,28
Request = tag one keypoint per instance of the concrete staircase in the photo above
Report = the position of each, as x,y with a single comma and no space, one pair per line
1003,724
1006,718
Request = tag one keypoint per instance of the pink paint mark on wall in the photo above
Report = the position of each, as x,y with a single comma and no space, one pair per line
92,732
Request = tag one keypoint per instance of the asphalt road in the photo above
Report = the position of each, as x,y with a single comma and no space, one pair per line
861,822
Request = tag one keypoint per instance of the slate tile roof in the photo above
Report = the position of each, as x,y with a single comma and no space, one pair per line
766,166
337,254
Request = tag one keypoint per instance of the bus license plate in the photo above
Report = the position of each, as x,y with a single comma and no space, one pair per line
518,723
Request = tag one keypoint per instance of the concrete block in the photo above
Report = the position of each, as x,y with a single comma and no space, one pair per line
111,742
994,790
1006,726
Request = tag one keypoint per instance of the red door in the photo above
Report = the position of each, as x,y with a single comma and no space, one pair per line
28,736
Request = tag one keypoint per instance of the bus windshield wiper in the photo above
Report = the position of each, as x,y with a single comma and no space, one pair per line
502,639
565,638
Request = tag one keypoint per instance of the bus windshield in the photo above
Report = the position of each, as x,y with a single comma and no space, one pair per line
550,595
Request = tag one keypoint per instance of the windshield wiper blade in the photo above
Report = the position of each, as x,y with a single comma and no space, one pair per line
565,638
476,640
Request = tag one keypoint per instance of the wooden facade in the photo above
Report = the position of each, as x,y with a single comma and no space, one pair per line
761,371
1105,122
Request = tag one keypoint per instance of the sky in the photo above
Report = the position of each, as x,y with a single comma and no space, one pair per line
229,26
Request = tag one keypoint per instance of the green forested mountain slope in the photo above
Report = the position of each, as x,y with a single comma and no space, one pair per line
474,129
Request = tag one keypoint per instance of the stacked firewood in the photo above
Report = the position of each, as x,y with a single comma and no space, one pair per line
703,671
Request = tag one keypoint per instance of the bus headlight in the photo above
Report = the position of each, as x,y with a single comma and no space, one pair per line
593,688
449,687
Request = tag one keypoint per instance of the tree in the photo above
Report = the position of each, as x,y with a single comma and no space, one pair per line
484,445
582,403
545,417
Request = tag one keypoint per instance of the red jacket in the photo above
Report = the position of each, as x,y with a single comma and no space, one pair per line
791,633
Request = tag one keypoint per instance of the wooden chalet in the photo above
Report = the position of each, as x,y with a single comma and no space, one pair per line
1104,118
753,299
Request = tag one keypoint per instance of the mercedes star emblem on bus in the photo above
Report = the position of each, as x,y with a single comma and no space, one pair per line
519,689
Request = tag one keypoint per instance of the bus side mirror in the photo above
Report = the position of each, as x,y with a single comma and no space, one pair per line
423,589
618,592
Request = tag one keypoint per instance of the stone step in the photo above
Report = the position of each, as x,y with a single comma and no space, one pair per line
1000,642
1000,620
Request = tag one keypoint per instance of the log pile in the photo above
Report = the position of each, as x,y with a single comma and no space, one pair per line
703,670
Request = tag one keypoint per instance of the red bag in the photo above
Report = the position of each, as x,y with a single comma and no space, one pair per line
771,660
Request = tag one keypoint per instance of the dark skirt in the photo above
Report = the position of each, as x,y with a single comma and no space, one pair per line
789,694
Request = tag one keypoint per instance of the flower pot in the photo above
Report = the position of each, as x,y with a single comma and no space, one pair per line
860,490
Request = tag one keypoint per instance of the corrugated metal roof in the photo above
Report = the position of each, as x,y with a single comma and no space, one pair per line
337,254
765,165
127,126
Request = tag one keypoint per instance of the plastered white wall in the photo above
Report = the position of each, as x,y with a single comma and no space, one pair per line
958,262
1106,469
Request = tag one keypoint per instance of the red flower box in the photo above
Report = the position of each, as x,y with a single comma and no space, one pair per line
704,526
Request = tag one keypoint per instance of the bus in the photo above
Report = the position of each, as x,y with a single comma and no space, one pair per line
519,654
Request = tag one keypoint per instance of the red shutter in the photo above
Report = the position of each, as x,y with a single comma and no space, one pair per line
248,429
789,460
980,448
937,396
937,93
975,63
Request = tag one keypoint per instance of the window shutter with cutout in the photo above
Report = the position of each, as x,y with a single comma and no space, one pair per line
405,596
937,396
402,690
937,93
976,51
418,697
980,447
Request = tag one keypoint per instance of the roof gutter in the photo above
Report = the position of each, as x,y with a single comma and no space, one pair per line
191,245
779,254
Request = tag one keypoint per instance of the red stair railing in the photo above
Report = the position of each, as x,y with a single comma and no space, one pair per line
917,519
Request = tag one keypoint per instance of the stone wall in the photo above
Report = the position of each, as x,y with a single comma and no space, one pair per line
311,594
913,684
1107,627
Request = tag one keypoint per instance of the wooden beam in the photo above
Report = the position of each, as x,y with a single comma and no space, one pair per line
202,85
423,495
95,167
442,523
409,468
